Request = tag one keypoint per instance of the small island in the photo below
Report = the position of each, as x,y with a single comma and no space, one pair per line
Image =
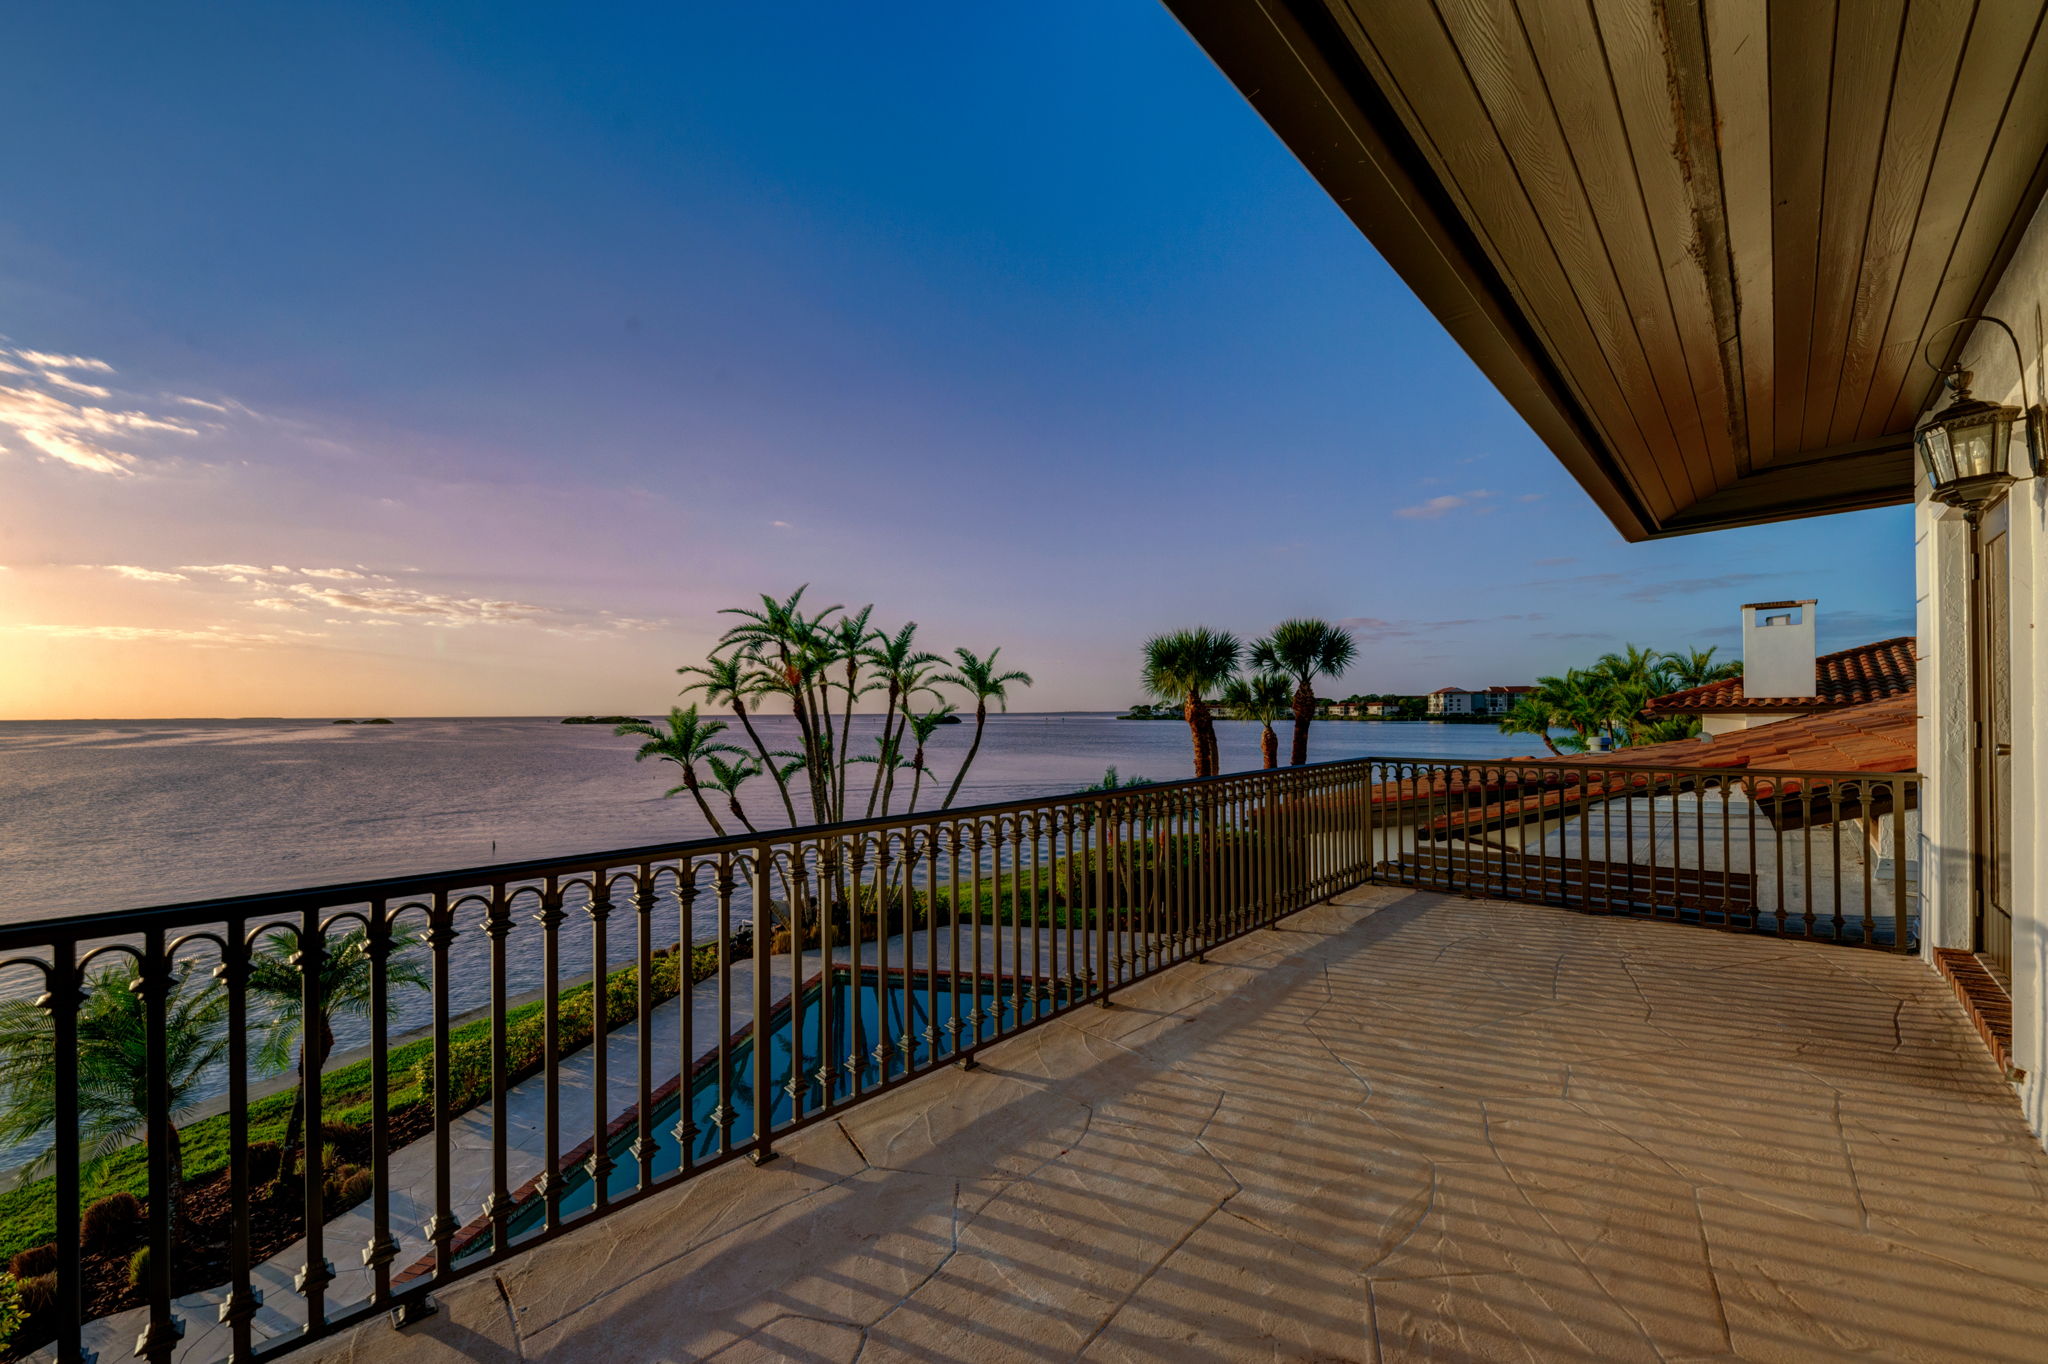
379,721
601,720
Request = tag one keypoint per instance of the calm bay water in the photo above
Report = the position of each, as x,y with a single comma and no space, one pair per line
106,815
109,815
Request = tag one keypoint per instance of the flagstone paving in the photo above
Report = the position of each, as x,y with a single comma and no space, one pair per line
1399,1126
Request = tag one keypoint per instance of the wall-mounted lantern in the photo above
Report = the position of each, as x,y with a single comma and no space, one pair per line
1966,447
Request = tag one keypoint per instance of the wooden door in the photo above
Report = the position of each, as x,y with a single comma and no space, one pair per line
1994,744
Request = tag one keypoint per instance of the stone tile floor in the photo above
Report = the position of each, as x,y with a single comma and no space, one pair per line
1400,1126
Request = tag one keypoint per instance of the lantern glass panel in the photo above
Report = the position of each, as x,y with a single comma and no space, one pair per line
1936,454
1979,443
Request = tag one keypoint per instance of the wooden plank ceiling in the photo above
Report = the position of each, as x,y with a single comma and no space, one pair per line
1698,244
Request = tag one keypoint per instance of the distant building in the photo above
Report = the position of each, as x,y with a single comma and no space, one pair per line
1450,701
1488,701
1379,710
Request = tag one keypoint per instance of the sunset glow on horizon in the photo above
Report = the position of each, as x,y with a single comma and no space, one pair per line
355,362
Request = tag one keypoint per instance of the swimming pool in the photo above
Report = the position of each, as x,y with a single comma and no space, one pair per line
912,1004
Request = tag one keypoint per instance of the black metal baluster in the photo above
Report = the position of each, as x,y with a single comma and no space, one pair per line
1900,788
764,1149
498,1204
441,1228
238,1309
686,1131
956,1021
643,1137
600,1163
723,1114
153,983
64,991
382,1248
552,1177
318,1272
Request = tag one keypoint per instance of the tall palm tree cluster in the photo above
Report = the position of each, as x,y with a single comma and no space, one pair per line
1189,667
819,664
1605,702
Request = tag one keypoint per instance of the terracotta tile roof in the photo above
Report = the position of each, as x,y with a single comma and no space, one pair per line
1458,799
1868,672
1870,736
1876,736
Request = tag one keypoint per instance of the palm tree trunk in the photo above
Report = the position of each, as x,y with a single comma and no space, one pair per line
1269,747
829,746
1192,713
1304,712
916,780
846,736
295,1126
739,708
884,774
690,781
738,813
176,1192
980,719
1212,762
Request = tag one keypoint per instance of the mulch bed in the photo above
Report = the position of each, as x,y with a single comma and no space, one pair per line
202,1259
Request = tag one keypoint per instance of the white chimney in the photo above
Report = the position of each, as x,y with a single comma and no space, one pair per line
1777,648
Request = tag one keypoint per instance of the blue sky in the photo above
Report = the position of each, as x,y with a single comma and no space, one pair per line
467,358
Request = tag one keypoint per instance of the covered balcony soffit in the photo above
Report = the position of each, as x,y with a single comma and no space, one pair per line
1698,246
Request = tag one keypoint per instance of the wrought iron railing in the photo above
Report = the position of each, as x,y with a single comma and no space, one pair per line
1825,855
486,1095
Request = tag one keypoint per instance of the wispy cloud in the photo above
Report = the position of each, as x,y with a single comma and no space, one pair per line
45,410
340,574
1555,563
219,635
1685,587
1444,505
144,575
226,570
1373,629
43,359
79,386
404,601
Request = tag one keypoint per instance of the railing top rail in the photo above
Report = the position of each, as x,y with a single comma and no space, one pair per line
73,928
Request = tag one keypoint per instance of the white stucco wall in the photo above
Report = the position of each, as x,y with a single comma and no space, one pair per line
2021,301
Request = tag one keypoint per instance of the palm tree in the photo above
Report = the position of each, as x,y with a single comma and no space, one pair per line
1571,702
1262,697
979,679
726,679
347,968
686,742
905,671
1304,650
852,641
1631,678
795,654
729,777
1530,713
1697,668
1185,665
922,727
113,1082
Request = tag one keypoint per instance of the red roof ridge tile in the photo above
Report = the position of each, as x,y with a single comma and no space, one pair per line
1847,677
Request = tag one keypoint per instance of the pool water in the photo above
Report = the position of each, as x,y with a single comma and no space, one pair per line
857,1013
